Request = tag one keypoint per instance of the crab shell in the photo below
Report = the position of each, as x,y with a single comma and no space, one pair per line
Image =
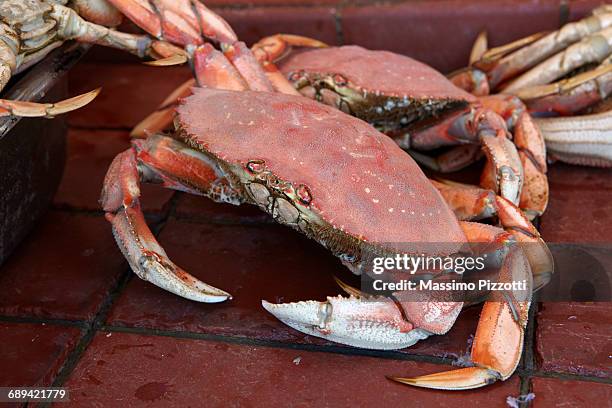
400,92
325,173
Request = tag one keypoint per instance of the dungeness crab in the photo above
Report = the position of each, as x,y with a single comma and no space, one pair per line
563,73
422,110
339,181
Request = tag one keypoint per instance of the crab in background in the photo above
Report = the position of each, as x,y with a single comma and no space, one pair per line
567,72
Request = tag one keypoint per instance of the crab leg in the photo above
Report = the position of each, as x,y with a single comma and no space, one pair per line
500,64
572,95
478,126
182,22
592,49
473,203
235,69
536,52
499,337
277,46
531,149
97,11
584,140
72,26
46,110
160,160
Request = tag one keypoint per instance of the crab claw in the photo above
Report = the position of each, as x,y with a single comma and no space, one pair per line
176,59
46,110
462,379
120,200
501,328
373,324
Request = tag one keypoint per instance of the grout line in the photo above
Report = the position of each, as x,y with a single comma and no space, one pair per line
100,128
249,341
338,24
525,388
564,12
89,332
43,320
528,359
568,376
103,311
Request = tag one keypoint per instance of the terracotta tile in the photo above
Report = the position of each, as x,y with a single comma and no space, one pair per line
551,392
90,153
578,194
252,263
203,209
161,371
34,352
252,24
129,92
575,338
64,270
441,33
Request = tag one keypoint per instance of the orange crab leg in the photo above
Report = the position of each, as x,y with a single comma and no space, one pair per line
473,203
529,142
160,160
570,96
480,127
499,337
245,62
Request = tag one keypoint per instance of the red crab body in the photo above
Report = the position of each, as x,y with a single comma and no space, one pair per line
287,139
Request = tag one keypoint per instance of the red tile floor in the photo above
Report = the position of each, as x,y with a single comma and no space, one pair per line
72,314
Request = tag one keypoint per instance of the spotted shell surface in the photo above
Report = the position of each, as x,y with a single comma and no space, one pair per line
375,71
359,180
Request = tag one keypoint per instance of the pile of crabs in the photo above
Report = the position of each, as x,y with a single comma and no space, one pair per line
328,141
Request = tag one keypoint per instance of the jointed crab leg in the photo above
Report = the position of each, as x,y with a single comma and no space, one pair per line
473,203
506,62
593,49
182,22
160,160
585,140
570,96
499,337
476,126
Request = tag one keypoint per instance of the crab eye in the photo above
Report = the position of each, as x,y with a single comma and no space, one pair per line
340,80
303,194
256,166
296,76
